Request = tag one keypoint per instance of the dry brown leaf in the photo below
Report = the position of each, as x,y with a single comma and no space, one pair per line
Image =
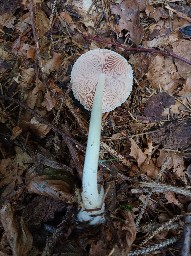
16,131
129,19
5,55
171,198
141,4
97,249
5,248
49,102
27,76
54,188
156,12
42,23
149,150
126,232
31,52
18,235
156,104
183,49
23,23
5,166
149,167
11,171
7,20
34,96
137,153
65,16
20,48
186,90
145,164
53,64
39,129
163,74
176,162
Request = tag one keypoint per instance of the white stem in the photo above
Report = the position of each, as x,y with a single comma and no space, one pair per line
87,4
91,198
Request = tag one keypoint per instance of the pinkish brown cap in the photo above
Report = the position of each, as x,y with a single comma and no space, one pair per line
118,81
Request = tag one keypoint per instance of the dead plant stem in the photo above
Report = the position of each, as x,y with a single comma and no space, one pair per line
138,49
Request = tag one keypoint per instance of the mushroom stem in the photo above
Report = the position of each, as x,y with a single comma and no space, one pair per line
91,198
87,4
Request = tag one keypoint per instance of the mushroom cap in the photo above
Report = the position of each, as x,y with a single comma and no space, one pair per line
118,78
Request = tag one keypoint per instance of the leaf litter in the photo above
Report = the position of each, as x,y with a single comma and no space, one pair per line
145,148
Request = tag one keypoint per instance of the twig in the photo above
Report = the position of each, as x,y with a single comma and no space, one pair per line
162,170
161,188
166,226
115,154
179,14
187,236
73,152
80,120
154,248
32,14
138,49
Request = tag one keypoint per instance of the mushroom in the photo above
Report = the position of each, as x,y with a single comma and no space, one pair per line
87,4
101,80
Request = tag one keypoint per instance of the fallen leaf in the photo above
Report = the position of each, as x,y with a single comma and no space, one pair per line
127,232
149,167
65,16
18,235
7,20
176,162
162,74
27,76
45,209
171,198
186,90
54,188
42,23
16,131
49,101
156,104
39,129
11,170
137,153
145,164
156,12
182,48
129,14
149,150
97,249
23,23
52,64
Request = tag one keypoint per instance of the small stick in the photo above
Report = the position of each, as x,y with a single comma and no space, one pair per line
166,226
138,49
161,188
187,235
154,247
115,154
179,14
32,14
162,170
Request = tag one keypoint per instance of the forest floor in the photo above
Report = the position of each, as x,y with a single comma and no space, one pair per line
145,158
